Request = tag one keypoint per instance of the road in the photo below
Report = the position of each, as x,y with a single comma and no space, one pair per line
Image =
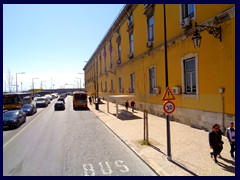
67,143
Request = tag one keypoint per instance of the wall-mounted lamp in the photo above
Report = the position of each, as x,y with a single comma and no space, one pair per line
215,31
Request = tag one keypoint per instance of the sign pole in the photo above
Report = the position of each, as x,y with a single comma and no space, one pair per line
166,76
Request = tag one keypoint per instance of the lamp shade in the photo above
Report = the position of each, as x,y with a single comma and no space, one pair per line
196,39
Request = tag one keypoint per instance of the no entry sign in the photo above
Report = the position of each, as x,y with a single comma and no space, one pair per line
168,107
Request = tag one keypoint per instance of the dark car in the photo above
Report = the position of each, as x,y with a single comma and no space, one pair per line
59,105
61,99
41,102
29,109
13,118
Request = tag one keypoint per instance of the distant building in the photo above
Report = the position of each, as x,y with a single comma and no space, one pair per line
130,60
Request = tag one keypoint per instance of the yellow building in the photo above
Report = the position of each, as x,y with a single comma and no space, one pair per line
131,60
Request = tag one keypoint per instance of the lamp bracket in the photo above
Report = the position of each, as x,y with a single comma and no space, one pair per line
215,31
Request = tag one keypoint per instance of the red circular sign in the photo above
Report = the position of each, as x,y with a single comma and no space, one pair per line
168,107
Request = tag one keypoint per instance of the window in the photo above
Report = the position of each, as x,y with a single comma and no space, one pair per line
131,42
105,58
105,86
130,19
120,84
187,10
132,81
150,23
190,76
110,51
111,84
100,59
152,80
119,53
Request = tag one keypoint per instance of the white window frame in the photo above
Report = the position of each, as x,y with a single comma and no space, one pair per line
119,83
153,36
189,56
181,13
155,79
131,46
119,51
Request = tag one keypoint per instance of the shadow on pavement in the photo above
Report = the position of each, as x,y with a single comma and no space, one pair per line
226,167
184,168
125,117
179,165
156,148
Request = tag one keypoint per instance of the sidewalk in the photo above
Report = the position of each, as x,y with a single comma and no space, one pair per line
189,146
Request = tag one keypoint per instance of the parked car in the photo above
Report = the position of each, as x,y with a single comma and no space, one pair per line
59,105
61,99
64,95
41,102
29,109
13,118
49,98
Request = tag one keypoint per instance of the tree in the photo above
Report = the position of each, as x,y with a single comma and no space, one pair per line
9,80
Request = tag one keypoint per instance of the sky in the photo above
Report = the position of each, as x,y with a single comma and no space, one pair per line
52,42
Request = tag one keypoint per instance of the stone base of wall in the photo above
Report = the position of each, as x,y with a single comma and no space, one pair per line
195,118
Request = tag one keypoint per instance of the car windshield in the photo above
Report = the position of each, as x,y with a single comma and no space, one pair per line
26,106
10,114
40,99
59,102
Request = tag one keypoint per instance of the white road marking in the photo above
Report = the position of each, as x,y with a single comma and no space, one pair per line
88,170
120,164
108,171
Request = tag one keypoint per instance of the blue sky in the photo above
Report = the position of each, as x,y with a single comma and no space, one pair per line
50,41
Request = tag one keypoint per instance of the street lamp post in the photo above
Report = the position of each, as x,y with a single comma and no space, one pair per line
80,81
33,85
41,84
16,80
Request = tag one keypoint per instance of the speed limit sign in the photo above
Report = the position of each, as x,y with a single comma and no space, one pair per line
168,107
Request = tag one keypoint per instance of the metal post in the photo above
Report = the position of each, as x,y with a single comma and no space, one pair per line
166,80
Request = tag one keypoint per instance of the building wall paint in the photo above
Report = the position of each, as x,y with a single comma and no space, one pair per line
215,65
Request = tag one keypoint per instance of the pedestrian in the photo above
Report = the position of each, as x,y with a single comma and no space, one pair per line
90,100
126,105
219,133
231,138
132,105
214,142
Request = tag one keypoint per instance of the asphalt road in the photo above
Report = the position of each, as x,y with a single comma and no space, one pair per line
67,143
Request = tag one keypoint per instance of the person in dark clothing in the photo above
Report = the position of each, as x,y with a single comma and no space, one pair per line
231,138
132,105
90,99
219,133
215,142
126,105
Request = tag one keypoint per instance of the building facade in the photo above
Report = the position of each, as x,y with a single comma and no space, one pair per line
131,60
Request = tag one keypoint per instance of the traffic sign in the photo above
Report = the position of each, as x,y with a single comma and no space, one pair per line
168,107
168,95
